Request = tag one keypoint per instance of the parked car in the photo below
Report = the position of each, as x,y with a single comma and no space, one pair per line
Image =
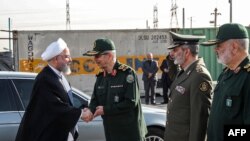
15,90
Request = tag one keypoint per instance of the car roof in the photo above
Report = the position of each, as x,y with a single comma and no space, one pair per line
14,74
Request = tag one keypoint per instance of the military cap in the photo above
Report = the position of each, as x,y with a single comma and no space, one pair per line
100,46
228,31
179,40
54,49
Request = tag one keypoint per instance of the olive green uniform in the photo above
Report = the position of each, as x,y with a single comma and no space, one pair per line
231,101
118,92
189,104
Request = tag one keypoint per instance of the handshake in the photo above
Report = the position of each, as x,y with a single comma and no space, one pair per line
88,116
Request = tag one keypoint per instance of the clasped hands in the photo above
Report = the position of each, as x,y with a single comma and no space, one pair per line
88,116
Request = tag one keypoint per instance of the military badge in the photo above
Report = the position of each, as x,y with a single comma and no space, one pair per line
229,102
180,89
116,98
204,86
130,78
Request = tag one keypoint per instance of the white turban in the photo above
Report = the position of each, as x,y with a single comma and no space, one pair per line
54,49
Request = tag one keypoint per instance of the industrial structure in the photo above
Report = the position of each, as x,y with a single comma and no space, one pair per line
67,16
174,19
155,22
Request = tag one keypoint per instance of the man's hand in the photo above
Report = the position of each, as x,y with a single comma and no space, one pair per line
87,115
166,70
99,111
149,75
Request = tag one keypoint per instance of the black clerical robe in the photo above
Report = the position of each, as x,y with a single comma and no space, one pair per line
49,115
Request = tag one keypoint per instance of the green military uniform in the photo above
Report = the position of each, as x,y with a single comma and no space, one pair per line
118,93
189,103
231,100
189,99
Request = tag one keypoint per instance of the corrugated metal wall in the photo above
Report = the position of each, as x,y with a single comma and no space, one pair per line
208,52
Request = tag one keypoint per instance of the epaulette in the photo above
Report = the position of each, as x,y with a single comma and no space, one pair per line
100,72
199,68
247,67
123,67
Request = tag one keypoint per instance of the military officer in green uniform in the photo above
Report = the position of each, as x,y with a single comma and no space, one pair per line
116,95
190,92
231,100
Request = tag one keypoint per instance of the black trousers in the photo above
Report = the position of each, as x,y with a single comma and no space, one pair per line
149,86
165,87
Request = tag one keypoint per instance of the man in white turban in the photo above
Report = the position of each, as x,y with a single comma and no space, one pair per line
50,114
56,49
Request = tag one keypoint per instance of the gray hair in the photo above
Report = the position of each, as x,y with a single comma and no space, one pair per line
113,52
243,43
194,49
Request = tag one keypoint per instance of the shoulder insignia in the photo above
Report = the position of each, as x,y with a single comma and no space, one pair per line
130,78
123,67
199,68
247,67
204,86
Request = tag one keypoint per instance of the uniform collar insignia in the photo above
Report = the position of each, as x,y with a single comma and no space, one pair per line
188,72
113,73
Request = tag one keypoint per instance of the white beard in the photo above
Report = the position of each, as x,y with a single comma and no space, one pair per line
66,70
224,58
179,60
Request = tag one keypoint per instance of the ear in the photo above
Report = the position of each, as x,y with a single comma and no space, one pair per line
235,47
187,51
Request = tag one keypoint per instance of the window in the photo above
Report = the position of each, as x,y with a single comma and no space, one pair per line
6,97
79,102
24,88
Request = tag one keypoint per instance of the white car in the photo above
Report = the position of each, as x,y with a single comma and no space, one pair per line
15,90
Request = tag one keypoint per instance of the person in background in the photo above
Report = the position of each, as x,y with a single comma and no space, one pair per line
149,77
190,93
116,96
231,100
173,68
165,79
50,114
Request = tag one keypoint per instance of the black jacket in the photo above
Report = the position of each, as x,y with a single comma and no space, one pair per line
49,115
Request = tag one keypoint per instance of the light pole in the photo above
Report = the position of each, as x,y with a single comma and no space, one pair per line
215,17
231,10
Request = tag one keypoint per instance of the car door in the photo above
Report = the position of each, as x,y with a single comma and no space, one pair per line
92,131
9,115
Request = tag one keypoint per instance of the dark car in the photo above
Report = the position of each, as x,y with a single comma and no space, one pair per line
15,90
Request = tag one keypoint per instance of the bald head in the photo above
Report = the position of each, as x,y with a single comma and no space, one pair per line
149,56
